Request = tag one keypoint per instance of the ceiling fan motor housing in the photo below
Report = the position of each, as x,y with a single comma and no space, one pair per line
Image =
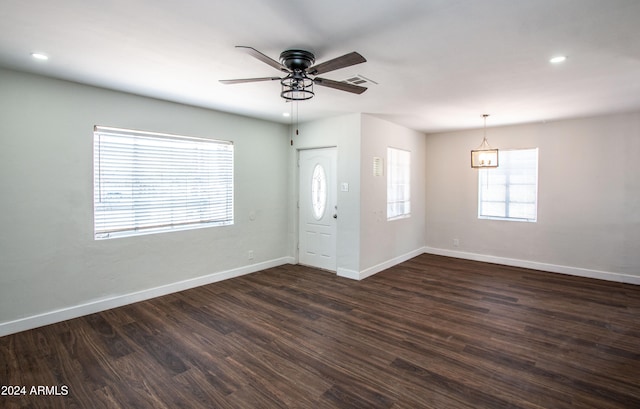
297,60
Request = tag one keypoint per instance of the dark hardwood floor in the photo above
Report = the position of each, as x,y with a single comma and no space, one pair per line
433,332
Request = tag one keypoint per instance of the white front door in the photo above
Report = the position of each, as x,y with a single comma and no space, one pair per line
318,211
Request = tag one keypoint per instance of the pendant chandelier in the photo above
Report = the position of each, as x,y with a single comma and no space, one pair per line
484,156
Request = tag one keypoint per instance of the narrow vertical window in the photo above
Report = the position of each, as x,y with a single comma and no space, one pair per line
398,183
147,182
318,191
510,191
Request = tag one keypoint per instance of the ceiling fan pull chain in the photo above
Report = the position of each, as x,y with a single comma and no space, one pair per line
291,124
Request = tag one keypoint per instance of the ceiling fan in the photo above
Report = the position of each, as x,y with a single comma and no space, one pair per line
300,76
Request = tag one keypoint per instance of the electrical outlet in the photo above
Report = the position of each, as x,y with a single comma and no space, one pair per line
456,242
250,254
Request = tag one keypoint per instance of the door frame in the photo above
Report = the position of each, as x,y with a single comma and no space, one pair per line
297,201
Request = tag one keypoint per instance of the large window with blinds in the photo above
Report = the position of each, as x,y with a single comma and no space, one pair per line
510,191
147,182
398,183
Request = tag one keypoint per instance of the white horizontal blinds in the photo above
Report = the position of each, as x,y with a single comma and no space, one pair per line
146,182
510,191
398,183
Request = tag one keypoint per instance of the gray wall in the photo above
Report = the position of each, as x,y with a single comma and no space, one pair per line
343,132
383,242
50,266
588,197
367,243
49,260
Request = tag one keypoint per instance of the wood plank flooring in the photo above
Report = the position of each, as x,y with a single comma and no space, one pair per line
433,332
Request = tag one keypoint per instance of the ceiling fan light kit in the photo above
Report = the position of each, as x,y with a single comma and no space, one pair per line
297,90
298,84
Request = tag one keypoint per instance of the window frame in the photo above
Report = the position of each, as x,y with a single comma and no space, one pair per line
509,174
398,179
150,182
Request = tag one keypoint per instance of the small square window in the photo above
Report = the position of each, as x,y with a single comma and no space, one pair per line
510,191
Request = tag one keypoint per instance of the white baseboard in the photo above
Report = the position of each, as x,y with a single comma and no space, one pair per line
346,273
368,272
535,265
51,317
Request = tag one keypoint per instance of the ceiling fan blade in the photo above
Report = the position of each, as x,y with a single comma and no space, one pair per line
240,81
265,59
342,86
346,60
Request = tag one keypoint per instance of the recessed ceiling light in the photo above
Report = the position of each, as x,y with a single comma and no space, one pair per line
558,59
39,56
286,114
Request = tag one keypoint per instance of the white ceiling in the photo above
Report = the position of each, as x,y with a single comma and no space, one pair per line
439,64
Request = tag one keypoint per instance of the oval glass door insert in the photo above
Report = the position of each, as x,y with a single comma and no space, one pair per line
318,191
